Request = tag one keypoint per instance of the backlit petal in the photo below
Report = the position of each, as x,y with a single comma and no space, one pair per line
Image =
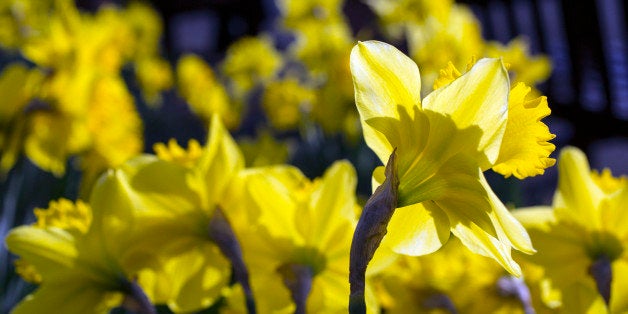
477,98
578,196
48,250
417,230
383,78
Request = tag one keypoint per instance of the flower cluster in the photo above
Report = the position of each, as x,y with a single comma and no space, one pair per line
226,224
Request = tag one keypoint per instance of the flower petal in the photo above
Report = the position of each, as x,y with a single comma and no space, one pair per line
383,78
220,160
525,148
48,250
477,98
479,241
331,204
417,230
506,224
72,296
578,196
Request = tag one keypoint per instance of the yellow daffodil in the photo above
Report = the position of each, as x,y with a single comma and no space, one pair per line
582,239
443,143
251,61
528,155
264,150
523,67
286,101
296,13
299,254
64,252
177,203
204,93
456,38
82,107
396,15
455,280
18,84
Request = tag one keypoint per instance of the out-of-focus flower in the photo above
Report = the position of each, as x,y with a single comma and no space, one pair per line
264,150
455,280
204,93
171,203
582,240
299,254
396,15
443,143
154,76
296,14
82,106
455,38
286,102
250,61
63,252
522,67
18,84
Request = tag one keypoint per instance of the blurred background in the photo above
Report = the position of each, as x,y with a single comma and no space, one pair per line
587,90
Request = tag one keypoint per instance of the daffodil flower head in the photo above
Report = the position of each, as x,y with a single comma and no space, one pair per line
62,251
582,239
176,206
299,255
205,94
443,143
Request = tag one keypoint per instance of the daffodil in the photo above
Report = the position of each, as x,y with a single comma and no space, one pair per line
250,61
582,239
286,101
443,144
18,84
455,37
206,96
64,253
299,253
396,15
523,67
178,204
264,150
454,280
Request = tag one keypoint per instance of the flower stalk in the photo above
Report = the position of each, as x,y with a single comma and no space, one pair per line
135,299
369,233
222,234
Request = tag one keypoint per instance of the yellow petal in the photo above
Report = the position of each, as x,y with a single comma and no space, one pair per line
506,225
274,195
330,204
525,148
477,98
198,276
578,196
540,217
220,161
48,250
619,292
383,78
72,296
417,230
480,242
